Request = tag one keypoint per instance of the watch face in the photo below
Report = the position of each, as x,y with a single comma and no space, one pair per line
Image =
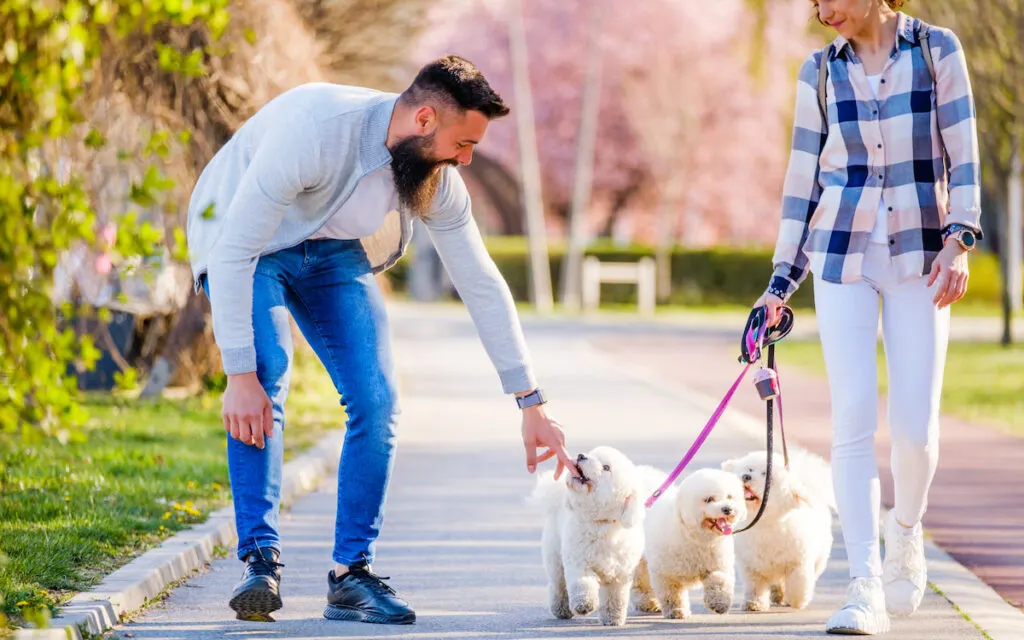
967,238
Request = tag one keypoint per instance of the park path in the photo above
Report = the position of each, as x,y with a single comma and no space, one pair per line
459,541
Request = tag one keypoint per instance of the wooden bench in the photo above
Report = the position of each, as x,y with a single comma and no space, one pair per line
641,274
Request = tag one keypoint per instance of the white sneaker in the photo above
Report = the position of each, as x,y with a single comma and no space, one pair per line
864,612
903,572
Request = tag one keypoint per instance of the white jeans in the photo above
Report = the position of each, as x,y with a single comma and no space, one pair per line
915,334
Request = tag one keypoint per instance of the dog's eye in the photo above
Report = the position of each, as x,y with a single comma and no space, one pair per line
709,499
728,497
607,467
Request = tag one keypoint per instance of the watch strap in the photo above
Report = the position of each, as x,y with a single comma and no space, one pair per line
531,399
955,227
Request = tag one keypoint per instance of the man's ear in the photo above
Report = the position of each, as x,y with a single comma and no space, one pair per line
426,119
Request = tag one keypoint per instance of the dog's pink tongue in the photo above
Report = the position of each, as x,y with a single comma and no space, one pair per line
748,494
724,526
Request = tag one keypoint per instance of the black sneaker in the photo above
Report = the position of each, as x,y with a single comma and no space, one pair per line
362,596
257,595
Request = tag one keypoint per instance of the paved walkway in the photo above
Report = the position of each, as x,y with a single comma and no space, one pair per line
459,541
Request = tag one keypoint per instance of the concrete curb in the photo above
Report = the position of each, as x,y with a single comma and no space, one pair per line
143,579
975,600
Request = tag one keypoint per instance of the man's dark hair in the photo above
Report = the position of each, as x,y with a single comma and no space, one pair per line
456,82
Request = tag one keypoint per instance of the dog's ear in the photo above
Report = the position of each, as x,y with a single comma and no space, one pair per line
728,465
801,496
632,511
688,513
799,493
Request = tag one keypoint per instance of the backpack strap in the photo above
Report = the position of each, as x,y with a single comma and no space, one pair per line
926,49
822,79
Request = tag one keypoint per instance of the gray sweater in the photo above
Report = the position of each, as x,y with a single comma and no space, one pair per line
281,177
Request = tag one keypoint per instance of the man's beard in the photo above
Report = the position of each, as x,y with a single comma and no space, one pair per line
414,172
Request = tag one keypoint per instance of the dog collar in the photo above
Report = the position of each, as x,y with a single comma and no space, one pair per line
625,505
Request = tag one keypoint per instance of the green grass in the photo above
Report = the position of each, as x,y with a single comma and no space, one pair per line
965,308
982,383
70,514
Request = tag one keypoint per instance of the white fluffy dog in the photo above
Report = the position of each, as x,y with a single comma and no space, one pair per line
688,542
785,553
593,536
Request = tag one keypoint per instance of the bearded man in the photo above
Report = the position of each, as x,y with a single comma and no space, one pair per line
311,197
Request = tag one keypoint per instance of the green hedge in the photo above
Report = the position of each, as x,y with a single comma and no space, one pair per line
717,276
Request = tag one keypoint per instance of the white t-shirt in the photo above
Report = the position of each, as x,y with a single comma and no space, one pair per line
881,231
364,212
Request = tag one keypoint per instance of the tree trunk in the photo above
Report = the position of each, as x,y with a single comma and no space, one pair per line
589,107
1015,204
540,267
1009,254
186,333
662,252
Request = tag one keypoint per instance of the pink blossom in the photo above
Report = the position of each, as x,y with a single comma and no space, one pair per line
681,116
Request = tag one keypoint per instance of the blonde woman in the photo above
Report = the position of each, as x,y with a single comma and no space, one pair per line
882,205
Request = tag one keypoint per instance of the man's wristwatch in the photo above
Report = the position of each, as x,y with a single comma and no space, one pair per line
531,399
963,234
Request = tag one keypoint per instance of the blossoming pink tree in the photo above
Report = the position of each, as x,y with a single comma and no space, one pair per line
693,116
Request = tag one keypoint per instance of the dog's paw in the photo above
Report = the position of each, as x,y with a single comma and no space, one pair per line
677,614
584,607
561,611
778,597
583,598
717,603
613,619
800,604
646,606
757,605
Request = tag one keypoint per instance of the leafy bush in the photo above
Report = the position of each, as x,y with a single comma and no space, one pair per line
50,51
716,276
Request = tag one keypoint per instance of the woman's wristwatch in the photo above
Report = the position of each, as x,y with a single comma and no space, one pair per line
963,234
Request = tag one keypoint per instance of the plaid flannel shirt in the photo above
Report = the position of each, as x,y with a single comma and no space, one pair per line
889,148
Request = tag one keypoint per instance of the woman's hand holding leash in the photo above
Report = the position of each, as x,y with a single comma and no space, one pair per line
950,270
772,303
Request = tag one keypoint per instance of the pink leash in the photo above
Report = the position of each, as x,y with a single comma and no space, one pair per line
753,341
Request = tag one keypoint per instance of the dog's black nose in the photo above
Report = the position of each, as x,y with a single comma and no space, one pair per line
747,477
581,458
727,510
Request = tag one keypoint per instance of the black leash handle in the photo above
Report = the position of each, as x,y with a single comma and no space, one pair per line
771,439
756,321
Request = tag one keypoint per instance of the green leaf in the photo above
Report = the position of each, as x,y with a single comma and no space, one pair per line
11,51
218,22
95,139
103,12
180,251
141,195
